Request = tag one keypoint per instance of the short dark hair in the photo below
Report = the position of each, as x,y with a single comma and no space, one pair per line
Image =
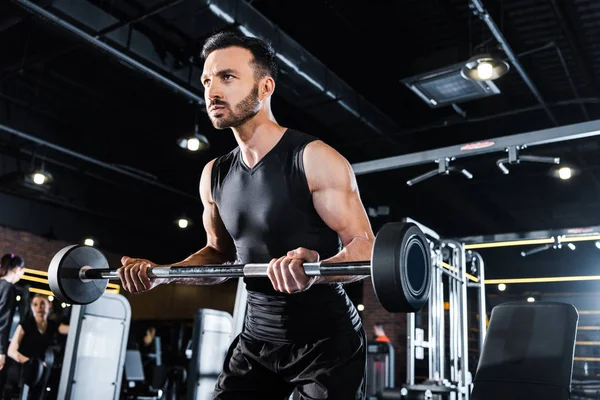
9,262
264,56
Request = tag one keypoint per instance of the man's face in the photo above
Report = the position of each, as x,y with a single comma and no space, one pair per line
230,88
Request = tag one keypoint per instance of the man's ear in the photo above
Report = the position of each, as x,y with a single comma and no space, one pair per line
266,87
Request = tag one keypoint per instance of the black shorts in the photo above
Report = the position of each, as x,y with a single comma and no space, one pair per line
331,368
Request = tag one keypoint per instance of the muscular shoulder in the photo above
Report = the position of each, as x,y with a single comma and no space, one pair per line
326,167
206,182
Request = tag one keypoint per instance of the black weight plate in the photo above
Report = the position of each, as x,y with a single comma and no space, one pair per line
63,274
401,267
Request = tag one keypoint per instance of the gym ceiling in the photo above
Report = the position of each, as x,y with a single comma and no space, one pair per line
99,93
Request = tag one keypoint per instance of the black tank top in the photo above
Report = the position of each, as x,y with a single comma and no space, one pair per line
268,211
34,343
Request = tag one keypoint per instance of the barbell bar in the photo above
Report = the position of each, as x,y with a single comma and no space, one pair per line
400,270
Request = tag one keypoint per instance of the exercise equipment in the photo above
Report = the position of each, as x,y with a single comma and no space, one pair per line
95,351
528,352
400,269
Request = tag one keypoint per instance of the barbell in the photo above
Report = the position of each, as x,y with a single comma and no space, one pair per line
400,270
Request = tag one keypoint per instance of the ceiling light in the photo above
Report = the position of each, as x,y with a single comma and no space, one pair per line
565,173
598,245
571,246
530,299
50,298
195,142
502,287
88,242
484,67
39,177
183,222
360,307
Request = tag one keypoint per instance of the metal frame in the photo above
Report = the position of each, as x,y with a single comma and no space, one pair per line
565,235
458,282
500,144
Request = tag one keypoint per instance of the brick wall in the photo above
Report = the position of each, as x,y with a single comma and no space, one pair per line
394,324
164,302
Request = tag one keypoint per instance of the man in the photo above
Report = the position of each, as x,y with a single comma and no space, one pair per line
281,197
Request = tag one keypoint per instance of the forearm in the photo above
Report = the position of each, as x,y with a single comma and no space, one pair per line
358,249
205,256
18,357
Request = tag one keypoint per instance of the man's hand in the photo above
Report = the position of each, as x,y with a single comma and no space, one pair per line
2,361
134,275
287,273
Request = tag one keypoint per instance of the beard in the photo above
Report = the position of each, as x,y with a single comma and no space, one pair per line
242,112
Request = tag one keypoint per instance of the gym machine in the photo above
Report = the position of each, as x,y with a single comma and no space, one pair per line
447,336
95,352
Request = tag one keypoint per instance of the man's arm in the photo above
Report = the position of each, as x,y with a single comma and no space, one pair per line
337,200
219,248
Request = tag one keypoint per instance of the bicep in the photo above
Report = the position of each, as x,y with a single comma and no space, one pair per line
335,193
216,234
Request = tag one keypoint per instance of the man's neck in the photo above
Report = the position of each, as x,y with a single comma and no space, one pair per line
256,138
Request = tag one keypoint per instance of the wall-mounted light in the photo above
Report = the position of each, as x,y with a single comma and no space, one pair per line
484,67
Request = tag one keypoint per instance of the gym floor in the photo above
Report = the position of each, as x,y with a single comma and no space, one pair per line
102,96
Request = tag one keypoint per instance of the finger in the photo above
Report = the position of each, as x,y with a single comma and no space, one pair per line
278,276
304,254
271,274
143,276
289,284
296,271
125,260
124,279
134,272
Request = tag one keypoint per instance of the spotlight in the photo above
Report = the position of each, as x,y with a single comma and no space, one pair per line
565,173
360,307
183,222
530,299
195,142
50,298
502,287
485,70
40,178
484,67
